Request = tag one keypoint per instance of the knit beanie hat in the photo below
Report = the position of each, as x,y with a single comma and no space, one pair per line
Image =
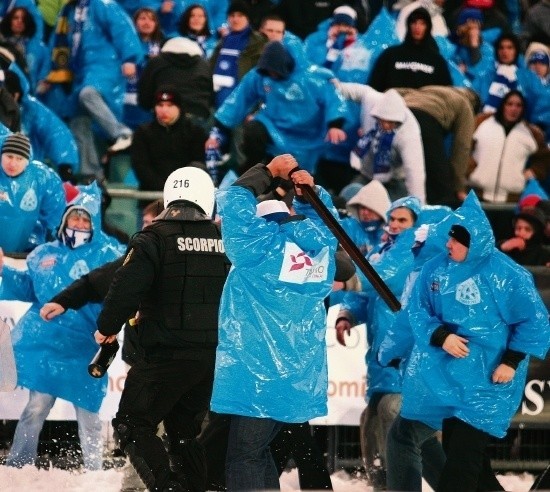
467,14
533,216
239,6
349,191
537,52
168,94
344,15
461,234
17,144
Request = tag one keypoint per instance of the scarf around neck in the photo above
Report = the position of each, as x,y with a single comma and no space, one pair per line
67,42
379,142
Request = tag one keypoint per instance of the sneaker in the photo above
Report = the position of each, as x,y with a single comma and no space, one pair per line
121,143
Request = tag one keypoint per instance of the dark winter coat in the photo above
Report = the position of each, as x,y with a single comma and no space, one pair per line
410,65
93,287
158,150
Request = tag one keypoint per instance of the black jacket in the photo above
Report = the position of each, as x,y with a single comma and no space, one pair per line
93,287
173,275
410,65
157,150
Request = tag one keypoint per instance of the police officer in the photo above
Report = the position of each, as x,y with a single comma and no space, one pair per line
173,275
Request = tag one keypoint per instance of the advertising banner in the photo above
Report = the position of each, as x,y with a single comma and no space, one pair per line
346,389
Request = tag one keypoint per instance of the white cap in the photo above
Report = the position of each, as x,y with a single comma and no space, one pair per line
345,10
181,45
272,210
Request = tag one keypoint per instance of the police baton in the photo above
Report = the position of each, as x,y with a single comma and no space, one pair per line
103,359
350,247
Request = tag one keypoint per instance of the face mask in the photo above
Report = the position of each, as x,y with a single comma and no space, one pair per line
74,238
371,225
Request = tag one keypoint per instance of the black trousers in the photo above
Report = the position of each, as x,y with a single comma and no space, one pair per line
176,392
254,145
468,467
440,176
333,176
296,441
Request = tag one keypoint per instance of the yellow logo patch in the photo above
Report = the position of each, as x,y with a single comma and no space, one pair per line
128,256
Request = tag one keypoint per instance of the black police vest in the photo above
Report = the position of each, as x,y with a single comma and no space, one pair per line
185,297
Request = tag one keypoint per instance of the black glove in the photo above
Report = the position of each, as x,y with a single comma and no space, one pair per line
65,172
394,363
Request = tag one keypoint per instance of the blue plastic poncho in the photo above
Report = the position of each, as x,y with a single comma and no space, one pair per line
393,265
108,40
353,64
271,357
399,340
36,195
216,11
130,6
488,299
295,111
536,94
52,357
8,5
51,139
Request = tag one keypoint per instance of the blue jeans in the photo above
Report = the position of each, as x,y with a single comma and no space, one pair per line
412,451
25,441
95,109
92,101
249,464
375,424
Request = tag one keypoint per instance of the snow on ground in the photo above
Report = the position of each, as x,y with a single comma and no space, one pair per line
31,479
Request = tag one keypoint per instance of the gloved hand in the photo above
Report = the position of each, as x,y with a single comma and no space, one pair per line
394,363
420,236
421,233
65,172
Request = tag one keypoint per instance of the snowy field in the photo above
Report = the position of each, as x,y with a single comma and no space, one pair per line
31,479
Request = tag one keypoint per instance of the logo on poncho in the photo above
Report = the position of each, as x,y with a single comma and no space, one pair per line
299,267
79,269
468,293
29,202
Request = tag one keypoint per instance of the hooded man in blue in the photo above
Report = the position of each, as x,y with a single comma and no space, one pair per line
271,364
413,450
95,48
50,137
30,193
392,260
299,111
476,317
52,358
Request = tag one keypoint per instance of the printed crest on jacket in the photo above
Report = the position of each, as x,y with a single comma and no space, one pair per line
300,268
